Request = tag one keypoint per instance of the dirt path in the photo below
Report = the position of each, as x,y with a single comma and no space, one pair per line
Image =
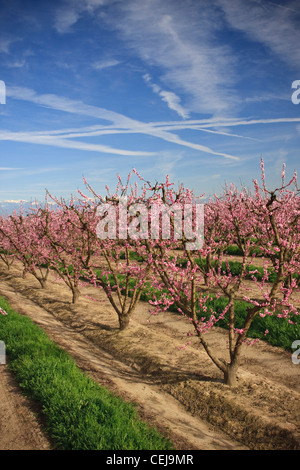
175,389
20,426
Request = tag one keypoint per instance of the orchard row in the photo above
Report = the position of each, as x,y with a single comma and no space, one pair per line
64,237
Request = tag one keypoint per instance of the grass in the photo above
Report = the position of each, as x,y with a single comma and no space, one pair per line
80,414
236,251
235,268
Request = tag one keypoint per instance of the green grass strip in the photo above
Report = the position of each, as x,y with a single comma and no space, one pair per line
80,414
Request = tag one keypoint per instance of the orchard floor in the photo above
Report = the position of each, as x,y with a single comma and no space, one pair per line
179,391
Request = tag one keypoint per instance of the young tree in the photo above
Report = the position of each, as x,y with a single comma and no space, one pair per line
25,238
70,242
118,248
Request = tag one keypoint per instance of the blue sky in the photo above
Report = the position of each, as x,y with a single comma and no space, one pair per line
196,89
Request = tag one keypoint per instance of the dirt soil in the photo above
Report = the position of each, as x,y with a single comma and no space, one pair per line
179,390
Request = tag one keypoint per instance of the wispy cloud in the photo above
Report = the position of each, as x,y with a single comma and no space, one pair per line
106,63
275,26
6,42
204,123
17,63
9,169
181,39
67,105
65,18
277,5
67,143
172,100
261,98
70,11
123,124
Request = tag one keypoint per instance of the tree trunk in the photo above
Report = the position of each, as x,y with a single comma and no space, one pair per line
123,322
42,283
75,295
230,375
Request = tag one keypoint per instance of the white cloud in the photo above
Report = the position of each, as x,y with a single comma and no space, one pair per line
161,130
172,100
123,124
71,11
66,143
275,26
9,169
268,97
68,105
5,44
17,63
104,64
181,39
208,123
65,18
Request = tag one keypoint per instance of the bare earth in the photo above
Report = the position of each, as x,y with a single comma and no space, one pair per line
178,390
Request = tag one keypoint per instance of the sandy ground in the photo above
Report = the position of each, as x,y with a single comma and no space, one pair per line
178,390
